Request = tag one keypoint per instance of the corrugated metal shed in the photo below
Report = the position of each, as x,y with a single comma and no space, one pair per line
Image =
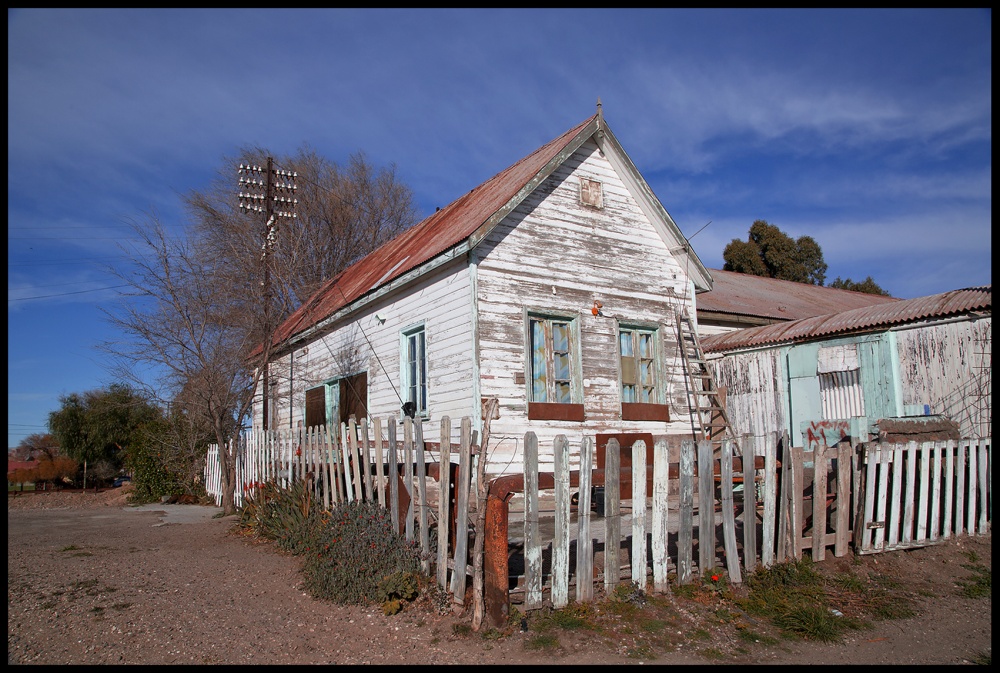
747,295
946,304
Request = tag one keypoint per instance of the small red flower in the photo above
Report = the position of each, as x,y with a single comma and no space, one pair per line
715,578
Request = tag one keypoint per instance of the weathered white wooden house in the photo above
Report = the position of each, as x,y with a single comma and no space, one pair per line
554,287
916,359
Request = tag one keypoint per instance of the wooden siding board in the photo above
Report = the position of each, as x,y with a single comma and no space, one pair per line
947,367
552,240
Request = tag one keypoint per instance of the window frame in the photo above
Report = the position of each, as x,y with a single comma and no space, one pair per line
325,386
654,408
564,410
405,375
591,193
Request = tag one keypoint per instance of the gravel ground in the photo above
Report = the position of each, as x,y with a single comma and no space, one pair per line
93,581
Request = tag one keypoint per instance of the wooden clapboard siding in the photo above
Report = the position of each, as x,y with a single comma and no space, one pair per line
442,302
552,241
754,384
947,368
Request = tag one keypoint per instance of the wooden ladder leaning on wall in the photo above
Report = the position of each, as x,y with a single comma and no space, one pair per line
709,418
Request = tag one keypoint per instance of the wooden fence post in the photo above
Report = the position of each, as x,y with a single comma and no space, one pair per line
393,475
661,509
379,461
421,506
560,543
706,508
845,477
408,475
685,536
584,541
748,445
728,514
459,578
819,502
770,499
444,502
366,460
532,541
612,515
639,514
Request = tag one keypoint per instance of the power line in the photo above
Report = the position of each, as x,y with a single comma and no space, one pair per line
64,294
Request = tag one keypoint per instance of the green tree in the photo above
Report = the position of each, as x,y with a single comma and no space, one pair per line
868,285
97,427
772,253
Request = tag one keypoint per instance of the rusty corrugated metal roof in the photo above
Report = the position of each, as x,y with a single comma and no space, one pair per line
758,296
946,304
436,234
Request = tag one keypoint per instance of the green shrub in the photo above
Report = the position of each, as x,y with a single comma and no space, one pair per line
151,479
360,558
287,515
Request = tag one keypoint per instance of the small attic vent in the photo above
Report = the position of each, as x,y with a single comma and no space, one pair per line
590,193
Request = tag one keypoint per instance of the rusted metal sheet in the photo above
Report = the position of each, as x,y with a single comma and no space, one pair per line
946,304
758,296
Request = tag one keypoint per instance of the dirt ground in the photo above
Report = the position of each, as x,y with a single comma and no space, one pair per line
93,581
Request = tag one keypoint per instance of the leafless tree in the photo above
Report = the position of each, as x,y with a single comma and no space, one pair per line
344,212
205,305
36,446
185,321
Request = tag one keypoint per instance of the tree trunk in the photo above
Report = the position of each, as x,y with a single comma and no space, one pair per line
227,471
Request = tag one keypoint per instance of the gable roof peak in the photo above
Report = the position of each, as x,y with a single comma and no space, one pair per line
463,223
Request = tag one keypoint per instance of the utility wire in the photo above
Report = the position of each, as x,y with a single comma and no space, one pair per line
64,294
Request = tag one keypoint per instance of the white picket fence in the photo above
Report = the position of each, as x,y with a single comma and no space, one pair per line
365,461
915,494
919,494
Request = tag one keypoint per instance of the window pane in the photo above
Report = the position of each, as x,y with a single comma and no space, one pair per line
646,373
625,343
562,393
538,373
560,337
411,367
638,365
645,345
561,366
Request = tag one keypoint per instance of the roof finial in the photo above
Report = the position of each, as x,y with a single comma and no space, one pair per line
599,113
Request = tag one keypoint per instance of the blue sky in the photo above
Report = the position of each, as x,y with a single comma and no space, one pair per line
869,130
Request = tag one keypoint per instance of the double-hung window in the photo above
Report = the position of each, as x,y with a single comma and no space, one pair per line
414,370
641,390
554,392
